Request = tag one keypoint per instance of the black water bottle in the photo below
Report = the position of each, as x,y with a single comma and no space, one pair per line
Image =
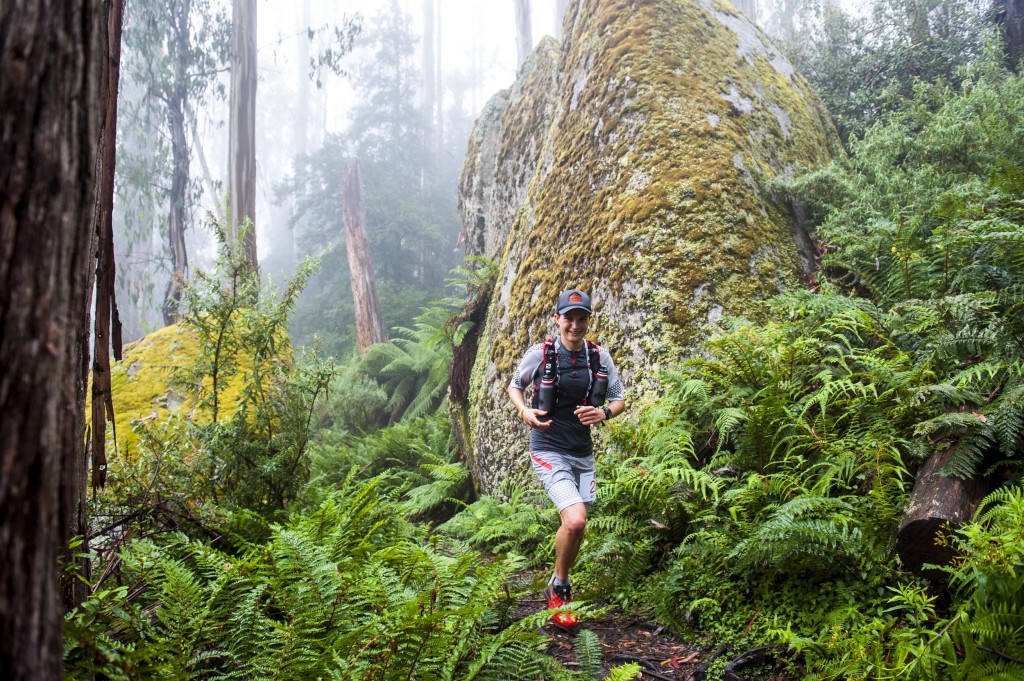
546,395
547,391
598,388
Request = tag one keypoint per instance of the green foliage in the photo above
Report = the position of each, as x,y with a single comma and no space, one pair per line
521,525
989,581
865,63
348,591
588,653
215,472
256,457
413,370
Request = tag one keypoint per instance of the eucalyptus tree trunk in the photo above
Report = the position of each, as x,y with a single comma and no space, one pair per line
369,321
1011,19
107,332
301,127
180,157
524,37
429,82
439,86
51,55
242,142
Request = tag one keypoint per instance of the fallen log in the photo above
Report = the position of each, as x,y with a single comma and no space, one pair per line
936,504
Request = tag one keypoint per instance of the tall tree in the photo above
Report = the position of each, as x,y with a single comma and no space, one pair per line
51,107
410,224
177,96
429,75
108,323
439,88
174,51
242,145
1010,15
524,35
369,321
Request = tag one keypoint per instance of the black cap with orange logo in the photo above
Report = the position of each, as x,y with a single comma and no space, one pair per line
573,299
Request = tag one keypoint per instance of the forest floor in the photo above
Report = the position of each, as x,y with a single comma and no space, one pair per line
662,654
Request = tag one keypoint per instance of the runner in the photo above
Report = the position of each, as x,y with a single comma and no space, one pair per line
573,379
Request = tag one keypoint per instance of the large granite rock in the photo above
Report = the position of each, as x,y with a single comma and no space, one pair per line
633,162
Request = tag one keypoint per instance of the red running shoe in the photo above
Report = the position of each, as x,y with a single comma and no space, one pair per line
558,595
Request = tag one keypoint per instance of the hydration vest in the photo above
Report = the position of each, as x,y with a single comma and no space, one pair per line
546,394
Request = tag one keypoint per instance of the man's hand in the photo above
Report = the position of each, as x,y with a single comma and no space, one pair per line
530,417
589,416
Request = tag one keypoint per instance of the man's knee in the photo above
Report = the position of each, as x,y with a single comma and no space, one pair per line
574,518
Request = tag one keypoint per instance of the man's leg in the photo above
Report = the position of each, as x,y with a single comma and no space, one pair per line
568,538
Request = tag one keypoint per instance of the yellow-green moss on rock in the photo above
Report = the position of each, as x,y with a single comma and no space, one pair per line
664,127
144,389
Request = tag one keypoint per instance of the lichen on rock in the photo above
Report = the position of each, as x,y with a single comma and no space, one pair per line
635,166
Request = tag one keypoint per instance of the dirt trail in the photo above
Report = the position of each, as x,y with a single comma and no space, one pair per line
661,654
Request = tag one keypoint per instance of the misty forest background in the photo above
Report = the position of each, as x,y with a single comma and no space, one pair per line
317,523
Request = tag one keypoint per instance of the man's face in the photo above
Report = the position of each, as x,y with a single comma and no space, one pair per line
573,325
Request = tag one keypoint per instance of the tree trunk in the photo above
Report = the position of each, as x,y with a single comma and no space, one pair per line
524,37
301,129
108,323
51,56
242,142
180,158
369,321
1010,14
429,87
935,501
177,200
438,89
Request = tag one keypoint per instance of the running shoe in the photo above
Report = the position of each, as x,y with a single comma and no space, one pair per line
558,595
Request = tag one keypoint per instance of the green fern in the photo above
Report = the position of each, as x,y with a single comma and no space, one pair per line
589,654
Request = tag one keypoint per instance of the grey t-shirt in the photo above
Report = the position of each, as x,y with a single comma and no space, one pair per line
566,434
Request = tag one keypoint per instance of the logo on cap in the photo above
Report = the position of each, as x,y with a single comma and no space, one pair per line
575,297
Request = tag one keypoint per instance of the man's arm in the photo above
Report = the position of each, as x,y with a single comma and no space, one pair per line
528,415
591,416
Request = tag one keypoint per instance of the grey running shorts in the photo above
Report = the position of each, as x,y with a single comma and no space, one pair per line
561,476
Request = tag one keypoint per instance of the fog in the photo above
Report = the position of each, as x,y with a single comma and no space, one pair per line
298,109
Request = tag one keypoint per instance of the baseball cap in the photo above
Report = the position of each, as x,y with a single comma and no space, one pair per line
573,299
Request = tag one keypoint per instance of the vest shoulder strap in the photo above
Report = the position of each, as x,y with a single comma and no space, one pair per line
548,361
593,355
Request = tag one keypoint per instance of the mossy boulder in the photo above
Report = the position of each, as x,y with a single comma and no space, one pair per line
146,385
636,166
